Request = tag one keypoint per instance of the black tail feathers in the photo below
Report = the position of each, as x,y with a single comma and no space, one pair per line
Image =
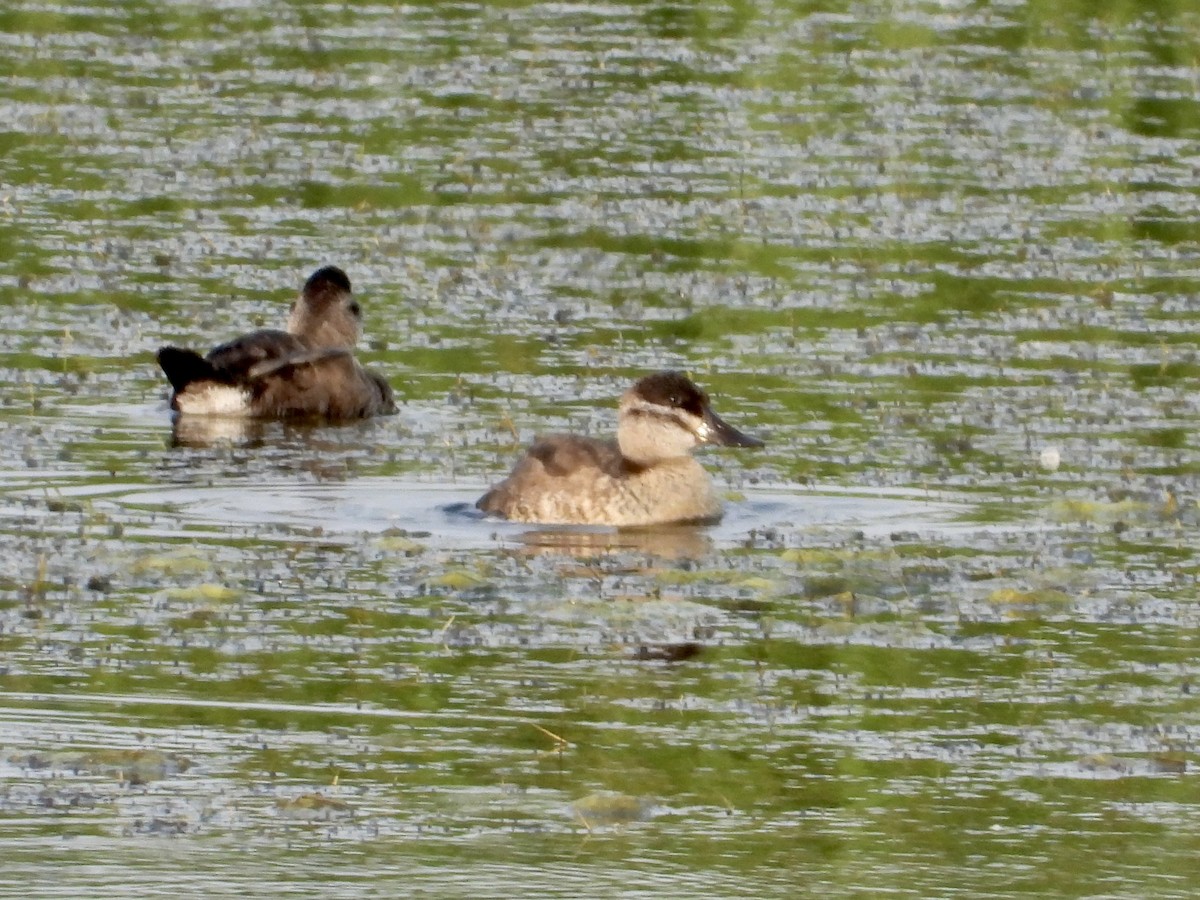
183,367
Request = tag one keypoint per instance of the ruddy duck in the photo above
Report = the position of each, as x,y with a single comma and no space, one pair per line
309,370
647,476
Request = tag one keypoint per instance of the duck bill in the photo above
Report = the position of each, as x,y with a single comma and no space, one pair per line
717,431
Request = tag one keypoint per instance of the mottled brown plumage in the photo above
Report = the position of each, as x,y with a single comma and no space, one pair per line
645,477
307,371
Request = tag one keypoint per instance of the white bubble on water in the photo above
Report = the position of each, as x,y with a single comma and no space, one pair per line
1050,459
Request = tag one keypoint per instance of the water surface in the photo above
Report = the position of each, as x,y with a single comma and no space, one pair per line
942,255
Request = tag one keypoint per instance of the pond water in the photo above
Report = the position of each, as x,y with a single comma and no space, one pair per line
943,256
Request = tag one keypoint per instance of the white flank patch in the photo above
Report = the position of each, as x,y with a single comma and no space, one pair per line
214,400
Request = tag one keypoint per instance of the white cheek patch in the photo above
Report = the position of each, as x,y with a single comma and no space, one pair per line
214,400
672,421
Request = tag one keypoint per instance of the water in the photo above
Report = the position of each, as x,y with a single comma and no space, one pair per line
941,255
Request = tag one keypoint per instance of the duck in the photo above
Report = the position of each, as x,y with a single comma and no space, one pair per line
305,371
646,476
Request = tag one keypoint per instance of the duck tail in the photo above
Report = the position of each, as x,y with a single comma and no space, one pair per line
184,367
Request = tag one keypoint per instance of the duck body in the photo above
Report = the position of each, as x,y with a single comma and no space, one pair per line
309,370
570,479
646,476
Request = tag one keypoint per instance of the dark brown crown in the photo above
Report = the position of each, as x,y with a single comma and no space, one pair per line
672,389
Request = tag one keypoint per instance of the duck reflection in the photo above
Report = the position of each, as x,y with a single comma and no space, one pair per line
217,431
260,449
665,542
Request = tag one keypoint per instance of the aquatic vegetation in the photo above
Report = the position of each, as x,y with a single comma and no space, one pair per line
314,807
609,808
129,766
213,593
942,256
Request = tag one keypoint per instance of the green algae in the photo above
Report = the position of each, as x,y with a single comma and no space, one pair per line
913,246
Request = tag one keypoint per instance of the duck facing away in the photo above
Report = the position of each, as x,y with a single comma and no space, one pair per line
309,370
647,476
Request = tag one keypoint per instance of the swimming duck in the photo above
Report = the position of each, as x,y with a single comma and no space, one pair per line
647,476
309,370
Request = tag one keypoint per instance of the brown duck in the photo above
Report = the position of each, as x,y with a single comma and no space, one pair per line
647,476
307,371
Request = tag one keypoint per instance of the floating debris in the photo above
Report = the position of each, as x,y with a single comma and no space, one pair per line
100,583
669,652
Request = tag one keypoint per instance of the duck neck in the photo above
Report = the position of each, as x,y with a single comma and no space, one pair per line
645,440
317,333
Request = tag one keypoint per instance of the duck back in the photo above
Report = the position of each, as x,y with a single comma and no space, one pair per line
273,374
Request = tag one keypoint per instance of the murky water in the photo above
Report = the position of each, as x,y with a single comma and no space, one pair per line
942,255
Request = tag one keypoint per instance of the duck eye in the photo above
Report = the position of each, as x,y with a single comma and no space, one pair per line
676,400
355,309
